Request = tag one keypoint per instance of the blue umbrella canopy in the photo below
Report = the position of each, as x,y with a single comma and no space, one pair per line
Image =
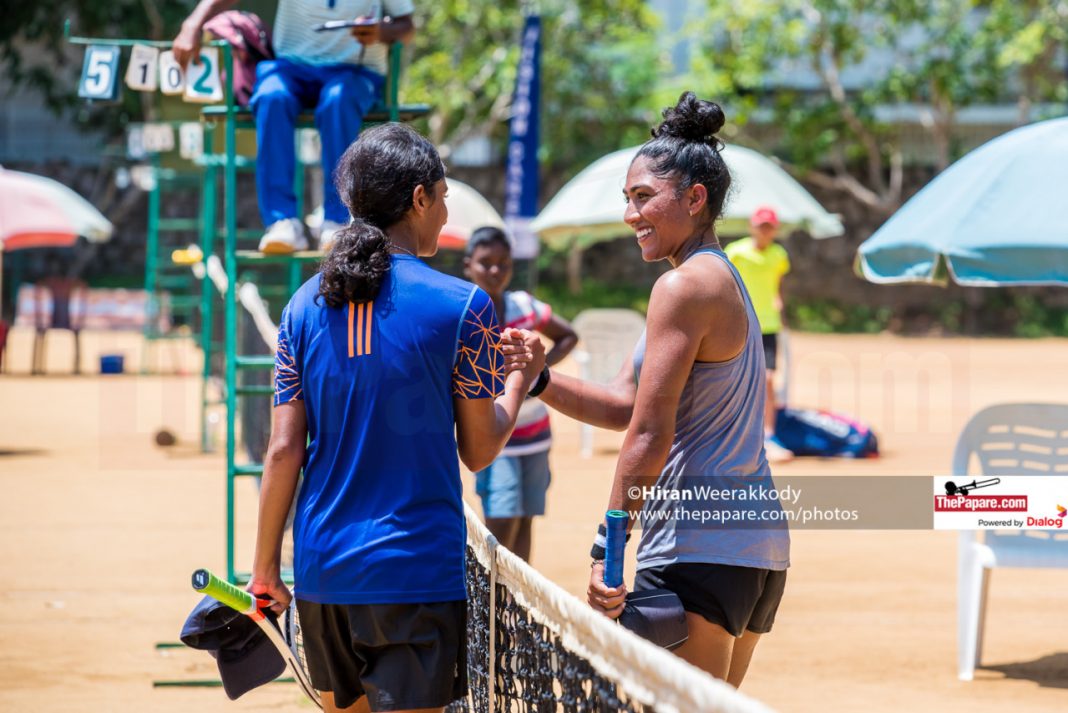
998,216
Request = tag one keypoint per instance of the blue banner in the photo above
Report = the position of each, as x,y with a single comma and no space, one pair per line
521,187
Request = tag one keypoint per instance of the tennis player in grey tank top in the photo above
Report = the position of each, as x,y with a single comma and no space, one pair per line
692,404
719,438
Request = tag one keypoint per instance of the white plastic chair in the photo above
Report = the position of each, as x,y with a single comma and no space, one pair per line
1007,439
782,391
606,339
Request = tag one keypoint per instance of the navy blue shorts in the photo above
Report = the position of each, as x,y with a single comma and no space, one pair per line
771,350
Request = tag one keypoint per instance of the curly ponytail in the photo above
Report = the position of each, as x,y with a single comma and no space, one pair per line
353,269
375,178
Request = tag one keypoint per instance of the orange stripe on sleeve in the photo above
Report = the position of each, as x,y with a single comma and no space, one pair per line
370,311
351,310
359,329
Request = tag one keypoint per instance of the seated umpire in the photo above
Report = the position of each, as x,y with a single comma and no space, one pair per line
338,76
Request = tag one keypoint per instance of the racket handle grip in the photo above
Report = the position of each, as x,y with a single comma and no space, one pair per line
207,583
615,543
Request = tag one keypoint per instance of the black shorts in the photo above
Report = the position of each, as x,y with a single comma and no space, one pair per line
400,655
736,598
771,350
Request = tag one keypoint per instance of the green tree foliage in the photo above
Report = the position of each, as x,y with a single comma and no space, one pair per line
945,55
603,72
600,64
35,56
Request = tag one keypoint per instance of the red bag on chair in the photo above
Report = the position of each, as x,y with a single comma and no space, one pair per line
251,42
3,342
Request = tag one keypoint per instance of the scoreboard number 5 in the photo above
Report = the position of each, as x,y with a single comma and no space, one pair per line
100,73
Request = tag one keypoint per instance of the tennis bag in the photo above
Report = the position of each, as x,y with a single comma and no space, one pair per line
251,42
811,432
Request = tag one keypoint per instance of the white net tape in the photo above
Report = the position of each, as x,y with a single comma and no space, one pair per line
646,673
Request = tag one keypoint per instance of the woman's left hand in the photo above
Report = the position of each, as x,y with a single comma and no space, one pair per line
607,600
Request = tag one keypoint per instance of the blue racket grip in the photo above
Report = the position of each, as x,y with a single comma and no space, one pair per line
615,543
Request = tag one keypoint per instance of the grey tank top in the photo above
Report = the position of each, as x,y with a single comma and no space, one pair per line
718,445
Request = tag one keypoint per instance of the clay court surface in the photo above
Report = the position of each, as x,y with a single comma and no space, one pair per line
102,528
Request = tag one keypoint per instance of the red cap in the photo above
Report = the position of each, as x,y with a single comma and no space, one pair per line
764,214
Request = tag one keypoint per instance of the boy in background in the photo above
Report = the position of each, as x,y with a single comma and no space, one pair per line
513,488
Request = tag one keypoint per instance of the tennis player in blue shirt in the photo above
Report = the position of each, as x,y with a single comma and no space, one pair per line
385,369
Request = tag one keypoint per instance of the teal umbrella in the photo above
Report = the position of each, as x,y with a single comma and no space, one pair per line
999,216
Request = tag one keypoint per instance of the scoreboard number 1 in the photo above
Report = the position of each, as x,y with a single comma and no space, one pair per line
141,72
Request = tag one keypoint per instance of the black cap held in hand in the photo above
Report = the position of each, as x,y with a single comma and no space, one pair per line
246,657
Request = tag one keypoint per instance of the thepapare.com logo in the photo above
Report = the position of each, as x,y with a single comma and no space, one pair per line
960,498
963,499
980,503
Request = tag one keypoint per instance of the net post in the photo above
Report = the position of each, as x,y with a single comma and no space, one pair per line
491,667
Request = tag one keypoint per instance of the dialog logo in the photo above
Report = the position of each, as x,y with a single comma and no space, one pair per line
1057,522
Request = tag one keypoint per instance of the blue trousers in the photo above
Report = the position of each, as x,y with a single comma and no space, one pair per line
341,95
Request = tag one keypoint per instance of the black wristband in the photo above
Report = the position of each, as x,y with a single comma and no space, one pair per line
597,552
540,385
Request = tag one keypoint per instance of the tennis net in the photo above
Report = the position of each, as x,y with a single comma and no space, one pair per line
534,647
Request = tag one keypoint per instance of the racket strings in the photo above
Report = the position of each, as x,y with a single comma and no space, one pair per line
295,634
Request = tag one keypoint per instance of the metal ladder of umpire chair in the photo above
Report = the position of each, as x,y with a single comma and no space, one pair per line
168,286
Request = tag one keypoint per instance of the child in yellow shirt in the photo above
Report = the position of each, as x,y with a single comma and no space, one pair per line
762,264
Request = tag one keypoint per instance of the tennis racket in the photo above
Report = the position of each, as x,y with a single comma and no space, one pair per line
287,638
615,543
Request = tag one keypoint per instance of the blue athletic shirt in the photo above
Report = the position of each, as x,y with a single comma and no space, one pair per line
380,516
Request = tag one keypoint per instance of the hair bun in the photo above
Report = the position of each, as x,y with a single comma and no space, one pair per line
692,119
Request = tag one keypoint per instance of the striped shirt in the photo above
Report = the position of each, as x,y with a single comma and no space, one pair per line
531,435
295,38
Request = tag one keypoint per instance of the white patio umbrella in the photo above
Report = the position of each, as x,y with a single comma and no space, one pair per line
468,211
590,206
37,212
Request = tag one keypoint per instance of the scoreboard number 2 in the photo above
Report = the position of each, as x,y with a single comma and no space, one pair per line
203,84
